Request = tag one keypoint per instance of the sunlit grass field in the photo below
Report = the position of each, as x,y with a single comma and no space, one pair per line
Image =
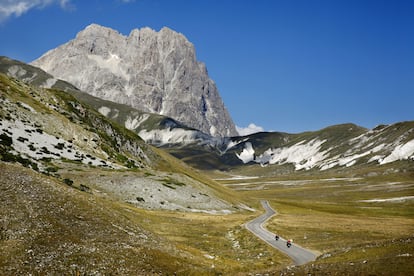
357,225
219,243
330,215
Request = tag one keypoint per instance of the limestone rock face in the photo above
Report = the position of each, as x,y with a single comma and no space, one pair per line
152,71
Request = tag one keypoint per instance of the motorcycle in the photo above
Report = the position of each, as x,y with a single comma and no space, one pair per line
288,243
277,237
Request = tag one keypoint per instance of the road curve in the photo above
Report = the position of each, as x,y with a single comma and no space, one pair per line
298,254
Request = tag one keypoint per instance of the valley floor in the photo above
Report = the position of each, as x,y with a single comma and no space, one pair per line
359,224
59,228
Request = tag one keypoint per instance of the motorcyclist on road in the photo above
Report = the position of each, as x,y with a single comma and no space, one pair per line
289,243
277,237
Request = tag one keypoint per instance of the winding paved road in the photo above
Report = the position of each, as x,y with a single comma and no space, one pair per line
298,254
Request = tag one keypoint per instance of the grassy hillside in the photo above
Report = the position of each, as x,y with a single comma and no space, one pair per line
50,228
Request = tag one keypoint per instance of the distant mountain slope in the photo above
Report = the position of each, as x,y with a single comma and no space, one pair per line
151,71
32,75
339,146
344,145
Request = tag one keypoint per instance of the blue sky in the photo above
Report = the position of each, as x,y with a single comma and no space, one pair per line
292,66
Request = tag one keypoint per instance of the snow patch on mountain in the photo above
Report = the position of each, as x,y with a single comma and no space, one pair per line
213,130
370,147
348,160
133,123
304,155
49,83
247,155
36,144
400,152
233,143
28,107
104,110
162,137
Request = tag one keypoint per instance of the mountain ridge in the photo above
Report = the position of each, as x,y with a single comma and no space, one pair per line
152,71
333,147
146,125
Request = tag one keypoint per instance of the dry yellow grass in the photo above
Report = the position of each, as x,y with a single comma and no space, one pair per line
327,215
216,241
324,231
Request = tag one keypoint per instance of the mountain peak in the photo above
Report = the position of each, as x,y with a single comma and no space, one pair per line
167,31
95,26
143,30
152,71
96,30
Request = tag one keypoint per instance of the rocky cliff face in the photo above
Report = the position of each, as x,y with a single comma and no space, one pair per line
151,71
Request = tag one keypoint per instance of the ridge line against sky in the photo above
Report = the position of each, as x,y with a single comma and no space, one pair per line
292,66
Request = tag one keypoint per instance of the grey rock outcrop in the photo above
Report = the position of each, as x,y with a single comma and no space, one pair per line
152,71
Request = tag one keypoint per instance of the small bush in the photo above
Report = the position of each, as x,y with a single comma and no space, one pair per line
51,169
121,158
68,181
45,150
60,146
22,139
46,159
6,140
8,157
131,164
84,188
